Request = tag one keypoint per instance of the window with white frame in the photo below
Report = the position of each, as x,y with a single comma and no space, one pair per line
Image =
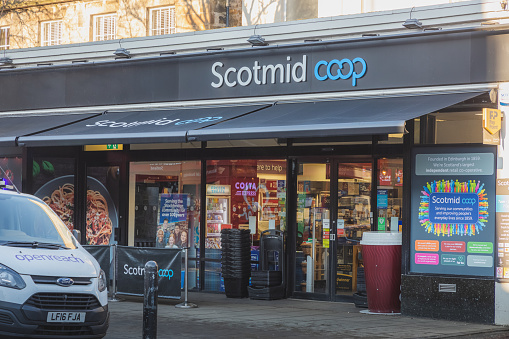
4,38
105,27
162,20
51,33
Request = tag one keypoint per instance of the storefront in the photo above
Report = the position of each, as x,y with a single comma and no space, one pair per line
168,151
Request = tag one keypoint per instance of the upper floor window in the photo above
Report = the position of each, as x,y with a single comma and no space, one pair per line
4,38
162,20
51,33
105,27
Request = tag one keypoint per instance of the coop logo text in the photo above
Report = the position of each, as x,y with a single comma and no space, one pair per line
293,71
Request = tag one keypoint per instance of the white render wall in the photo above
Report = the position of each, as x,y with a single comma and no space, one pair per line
447,16
256,12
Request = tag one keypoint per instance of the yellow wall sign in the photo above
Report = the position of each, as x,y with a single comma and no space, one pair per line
109,147
492,120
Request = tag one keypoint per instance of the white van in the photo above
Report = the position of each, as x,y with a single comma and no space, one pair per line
50,287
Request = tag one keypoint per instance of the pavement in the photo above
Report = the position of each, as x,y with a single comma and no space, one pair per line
220,317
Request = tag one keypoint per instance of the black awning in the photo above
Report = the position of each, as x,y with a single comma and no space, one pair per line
367,116
329,118
161,126
12,127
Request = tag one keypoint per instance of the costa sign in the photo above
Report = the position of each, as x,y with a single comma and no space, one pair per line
290,72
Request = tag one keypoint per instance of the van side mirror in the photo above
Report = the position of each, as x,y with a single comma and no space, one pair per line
77,235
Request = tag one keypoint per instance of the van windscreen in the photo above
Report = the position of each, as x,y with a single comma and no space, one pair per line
24,220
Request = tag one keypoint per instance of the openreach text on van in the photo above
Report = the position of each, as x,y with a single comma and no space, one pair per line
44,257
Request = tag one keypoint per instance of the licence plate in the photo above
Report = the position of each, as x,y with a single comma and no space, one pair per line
66,317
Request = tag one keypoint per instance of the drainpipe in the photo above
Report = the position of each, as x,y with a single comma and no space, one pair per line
227,13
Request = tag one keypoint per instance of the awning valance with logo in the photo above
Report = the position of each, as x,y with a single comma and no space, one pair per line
369,116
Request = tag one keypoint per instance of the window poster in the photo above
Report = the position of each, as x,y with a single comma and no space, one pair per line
172,230
103,184
453,211
11,169
244,200
53,182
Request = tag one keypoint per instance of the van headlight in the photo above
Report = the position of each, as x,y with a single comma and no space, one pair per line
102,282
10,278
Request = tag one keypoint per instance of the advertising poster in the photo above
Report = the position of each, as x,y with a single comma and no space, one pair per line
385,177
131,270
244,199
172,231
102,204
453,211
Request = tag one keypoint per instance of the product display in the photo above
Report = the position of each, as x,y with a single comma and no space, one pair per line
218,215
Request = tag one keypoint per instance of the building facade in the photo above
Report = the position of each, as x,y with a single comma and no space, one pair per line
48,23
402,123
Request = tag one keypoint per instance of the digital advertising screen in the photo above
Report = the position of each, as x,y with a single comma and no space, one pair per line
453,211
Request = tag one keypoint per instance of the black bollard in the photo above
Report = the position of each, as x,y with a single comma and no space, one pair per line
150,301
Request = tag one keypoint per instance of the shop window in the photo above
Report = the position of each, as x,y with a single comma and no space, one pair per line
103,185
51,33
392,139
4,38
245,143
160,146
456,127
164,205
458,124
417,131
53,182
213,279
243,194
339,143
162,20
11,170
104,27
389,195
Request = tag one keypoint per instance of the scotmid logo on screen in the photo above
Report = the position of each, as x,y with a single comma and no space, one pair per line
291,72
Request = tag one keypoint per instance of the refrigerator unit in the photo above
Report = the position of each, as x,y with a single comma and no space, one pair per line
218,214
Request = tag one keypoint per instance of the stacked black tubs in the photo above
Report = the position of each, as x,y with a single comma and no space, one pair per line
236,261
268,283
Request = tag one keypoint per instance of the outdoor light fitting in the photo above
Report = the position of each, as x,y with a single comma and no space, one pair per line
5,61
257,40
412,23
122,53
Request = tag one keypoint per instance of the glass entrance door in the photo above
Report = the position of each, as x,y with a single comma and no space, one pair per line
313,228
353,218
329,227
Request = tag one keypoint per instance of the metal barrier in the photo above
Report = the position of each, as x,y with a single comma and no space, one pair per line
125,267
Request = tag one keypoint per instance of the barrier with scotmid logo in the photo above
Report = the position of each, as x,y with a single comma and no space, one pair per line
131,270
103,255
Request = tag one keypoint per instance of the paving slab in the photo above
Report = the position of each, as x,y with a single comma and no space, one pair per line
221,317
